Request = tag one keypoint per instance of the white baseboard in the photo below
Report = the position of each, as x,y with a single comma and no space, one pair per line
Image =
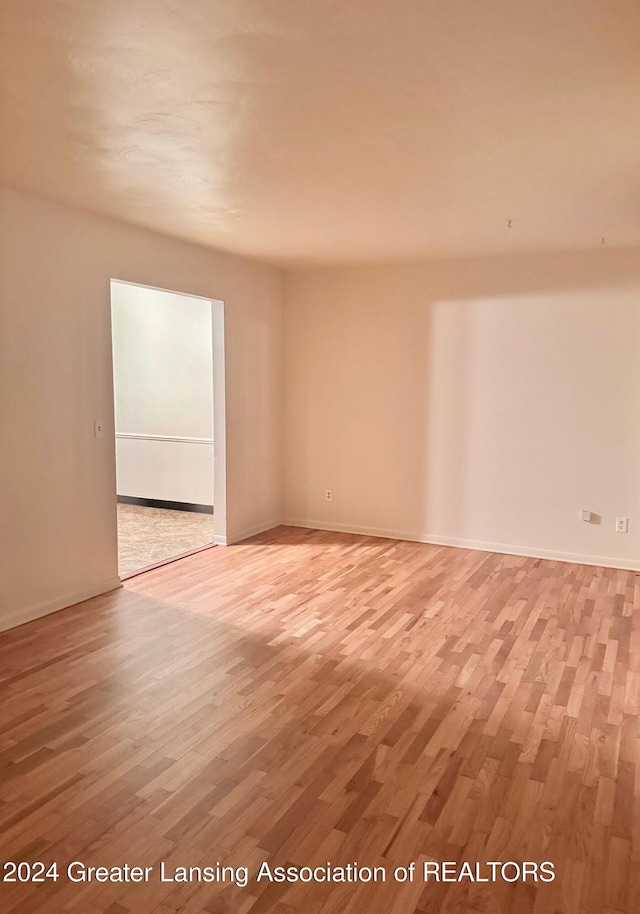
253,531
533,552
29,613
219,540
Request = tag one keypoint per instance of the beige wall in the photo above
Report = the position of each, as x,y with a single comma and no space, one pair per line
55,362
479,403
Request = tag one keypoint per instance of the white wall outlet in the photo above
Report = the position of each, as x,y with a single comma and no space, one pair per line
585,516
328,495
622,524
98,428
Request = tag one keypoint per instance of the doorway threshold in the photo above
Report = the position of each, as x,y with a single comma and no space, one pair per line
167,561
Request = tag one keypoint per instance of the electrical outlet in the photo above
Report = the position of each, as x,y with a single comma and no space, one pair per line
328,495
622,524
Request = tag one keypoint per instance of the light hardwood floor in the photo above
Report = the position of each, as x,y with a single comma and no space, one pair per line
309,697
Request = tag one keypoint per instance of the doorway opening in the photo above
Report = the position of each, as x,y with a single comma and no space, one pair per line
168,380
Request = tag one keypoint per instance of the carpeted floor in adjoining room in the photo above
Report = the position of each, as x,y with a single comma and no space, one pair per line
150,535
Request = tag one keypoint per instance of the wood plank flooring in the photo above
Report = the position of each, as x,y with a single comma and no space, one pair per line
309,697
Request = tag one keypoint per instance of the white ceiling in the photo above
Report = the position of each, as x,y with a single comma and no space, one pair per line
331,130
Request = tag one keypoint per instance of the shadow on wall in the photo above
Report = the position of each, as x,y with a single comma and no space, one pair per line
356,392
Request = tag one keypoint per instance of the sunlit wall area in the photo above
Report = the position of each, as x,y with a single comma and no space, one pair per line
482,402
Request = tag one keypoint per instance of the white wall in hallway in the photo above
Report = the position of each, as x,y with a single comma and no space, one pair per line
163,388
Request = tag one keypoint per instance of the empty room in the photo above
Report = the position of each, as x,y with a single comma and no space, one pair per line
320,456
